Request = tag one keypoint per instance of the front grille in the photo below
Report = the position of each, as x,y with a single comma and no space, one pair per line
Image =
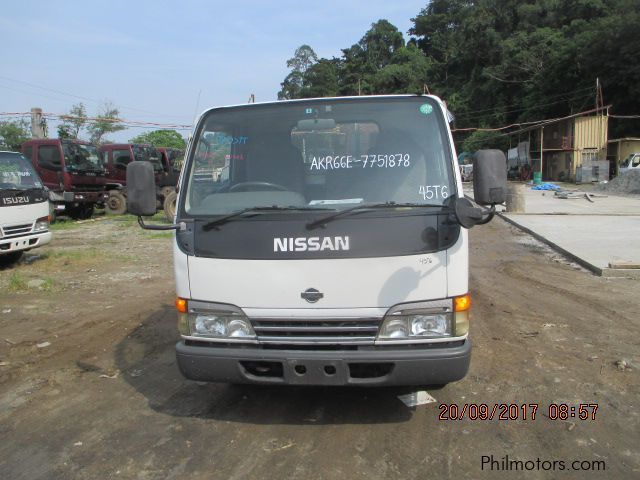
16,230
323,331
88,188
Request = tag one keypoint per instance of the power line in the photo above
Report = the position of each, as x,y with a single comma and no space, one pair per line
473,117
79,97
538,123
121,121
517,104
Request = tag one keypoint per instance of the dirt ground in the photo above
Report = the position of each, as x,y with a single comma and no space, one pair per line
89,387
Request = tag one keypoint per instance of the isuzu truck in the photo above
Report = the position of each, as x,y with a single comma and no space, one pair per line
328,246
24,208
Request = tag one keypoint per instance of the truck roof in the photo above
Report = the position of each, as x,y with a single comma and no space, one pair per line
321,99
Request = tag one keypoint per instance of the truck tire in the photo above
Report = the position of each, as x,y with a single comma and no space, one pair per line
83,211
170,206
9,259
116,204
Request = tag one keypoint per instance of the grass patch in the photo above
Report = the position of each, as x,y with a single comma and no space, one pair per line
160,235
74,254
64,224
48,284
17,282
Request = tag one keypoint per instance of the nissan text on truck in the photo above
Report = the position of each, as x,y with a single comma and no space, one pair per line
329,244
24,208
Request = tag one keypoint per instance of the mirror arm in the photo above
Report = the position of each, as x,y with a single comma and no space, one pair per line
176,226
492,212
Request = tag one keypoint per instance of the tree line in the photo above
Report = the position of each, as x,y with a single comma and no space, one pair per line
495,62
78,125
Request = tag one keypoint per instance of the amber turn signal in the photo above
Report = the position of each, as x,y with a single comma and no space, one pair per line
462,303
181,305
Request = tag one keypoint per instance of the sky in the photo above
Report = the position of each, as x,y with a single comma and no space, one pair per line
166,62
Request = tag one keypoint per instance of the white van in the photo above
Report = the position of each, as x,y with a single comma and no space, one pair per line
24,208
632,162
331,252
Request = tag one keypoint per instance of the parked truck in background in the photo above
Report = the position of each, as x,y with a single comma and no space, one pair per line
24,208
331,246
73,173
172,159
116,157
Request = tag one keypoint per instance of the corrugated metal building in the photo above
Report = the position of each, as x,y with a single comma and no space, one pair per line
564,149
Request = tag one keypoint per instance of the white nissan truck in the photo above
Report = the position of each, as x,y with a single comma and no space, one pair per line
331,250
24,208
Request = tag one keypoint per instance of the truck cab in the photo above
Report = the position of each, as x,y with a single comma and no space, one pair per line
72,171
324,242
172,159
115,158
24,208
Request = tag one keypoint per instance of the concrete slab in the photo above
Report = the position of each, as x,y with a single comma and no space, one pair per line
593,234
546,202
594,241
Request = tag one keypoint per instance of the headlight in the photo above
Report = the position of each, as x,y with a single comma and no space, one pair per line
42,224
426,320
213,321
416,326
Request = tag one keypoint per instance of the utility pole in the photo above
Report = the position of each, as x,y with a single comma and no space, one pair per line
37,123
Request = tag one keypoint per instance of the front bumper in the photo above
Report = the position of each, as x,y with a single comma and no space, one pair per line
25,242
85,197
376,367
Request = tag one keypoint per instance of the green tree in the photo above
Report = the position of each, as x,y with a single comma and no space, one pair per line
14,133
321,79
64,131
302,60
362,61
107,121
73,123
161,138
407,72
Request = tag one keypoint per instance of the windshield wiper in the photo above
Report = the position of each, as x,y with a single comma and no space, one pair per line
274,208
367,206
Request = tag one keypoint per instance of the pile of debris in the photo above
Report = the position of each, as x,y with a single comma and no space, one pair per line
627,183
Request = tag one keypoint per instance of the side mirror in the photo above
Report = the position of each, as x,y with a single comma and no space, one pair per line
141,189
489,177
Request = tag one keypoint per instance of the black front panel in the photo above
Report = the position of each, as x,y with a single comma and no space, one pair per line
11,198
289,239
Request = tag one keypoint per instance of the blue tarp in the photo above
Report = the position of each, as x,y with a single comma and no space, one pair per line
546,186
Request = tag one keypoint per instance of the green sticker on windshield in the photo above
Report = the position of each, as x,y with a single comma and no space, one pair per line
426,109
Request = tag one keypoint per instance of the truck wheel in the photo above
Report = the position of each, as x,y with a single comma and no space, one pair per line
166,191
116,204
9,259
81,212
170,206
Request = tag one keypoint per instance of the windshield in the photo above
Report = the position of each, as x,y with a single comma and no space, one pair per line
78,156
149,154
16,172
176,158
335,153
